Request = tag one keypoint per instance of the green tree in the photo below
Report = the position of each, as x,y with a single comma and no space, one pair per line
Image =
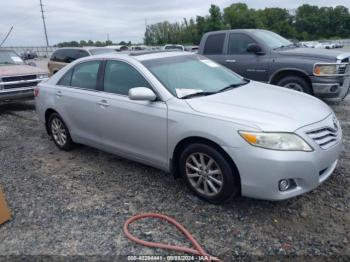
278,20
238,16
214,20
307,19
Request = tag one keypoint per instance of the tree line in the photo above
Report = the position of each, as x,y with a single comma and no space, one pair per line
82,43
307,22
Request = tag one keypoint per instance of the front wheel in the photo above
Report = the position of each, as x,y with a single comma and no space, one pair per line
59,132
296,83
208,174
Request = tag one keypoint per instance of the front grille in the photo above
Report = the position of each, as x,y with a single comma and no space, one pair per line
346,60
18,78
325,137
341,70
20,85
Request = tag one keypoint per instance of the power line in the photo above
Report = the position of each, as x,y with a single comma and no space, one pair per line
43,17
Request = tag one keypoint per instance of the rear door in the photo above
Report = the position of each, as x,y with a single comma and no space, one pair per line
77,99
136,129
214,47
249,65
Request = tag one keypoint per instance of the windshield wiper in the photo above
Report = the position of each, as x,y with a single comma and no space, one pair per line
232,86
197,94
285,46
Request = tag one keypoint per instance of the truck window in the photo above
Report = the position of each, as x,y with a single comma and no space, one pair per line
238,44
58,55
214,44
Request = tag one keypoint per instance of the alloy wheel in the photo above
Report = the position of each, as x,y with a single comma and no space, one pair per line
58,131
204,174
295,86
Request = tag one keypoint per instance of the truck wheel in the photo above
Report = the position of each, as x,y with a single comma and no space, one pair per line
208,174
296,83
60,133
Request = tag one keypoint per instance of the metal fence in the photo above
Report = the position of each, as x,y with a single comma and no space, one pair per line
41,51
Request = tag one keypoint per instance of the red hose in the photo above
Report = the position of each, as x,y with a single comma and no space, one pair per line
197,250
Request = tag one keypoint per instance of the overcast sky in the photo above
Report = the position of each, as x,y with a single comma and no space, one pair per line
123,19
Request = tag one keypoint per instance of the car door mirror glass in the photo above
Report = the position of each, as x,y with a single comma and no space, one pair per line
254,48
142,94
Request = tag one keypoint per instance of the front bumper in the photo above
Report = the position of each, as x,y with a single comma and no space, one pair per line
261,169
333,89
16,94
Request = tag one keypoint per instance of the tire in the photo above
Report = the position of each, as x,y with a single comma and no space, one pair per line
296,83
59,132
230,185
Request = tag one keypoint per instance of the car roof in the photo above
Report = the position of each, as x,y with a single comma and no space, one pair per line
144,55
87,48
236,31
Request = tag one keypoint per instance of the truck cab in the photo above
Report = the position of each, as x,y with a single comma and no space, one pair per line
265,56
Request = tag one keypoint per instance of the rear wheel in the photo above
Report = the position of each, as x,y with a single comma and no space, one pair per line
59,132
208,174
296,83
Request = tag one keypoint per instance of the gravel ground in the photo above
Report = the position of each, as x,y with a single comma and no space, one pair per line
75,204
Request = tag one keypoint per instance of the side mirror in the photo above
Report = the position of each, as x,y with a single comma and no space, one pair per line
142,94
254,48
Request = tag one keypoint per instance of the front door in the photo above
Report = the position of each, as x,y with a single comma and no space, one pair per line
248,65
136,129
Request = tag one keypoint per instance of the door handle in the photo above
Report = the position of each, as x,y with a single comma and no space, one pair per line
230,61
103,103
59,93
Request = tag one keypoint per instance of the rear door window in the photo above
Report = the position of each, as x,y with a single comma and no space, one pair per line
214,44
74,54
65,80
85,75
59,55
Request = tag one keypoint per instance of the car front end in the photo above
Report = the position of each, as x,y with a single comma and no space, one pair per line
21,86
277,174
331,81
18,79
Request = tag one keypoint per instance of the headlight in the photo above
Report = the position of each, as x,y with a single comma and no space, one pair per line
276,141
43,76
329,69
320,70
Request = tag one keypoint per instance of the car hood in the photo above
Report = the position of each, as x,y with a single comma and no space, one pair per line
314,53
265,107
13,70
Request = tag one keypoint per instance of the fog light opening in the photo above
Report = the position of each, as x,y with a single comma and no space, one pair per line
334,88
284,185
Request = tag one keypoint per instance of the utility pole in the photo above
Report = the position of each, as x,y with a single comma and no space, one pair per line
43,17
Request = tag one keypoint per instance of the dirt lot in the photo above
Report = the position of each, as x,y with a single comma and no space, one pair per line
75,204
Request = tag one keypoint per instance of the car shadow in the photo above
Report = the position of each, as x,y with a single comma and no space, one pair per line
14,106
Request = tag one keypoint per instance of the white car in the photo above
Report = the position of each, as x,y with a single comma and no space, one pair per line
186,114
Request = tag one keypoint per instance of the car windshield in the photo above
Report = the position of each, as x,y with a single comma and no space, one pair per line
99,51
187,75
272,39
10,58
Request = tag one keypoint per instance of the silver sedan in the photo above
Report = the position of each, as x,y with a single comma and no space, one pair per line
185,114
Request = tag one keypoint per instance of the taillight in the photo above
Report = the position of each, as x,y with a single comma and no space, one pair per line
36,91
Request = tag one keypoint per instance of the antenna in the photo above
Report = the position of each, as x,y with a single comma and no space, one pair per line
7,35
43,17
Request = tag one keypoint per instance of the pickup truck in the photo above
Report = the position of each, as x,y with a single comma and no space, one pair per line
265,56
18,79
